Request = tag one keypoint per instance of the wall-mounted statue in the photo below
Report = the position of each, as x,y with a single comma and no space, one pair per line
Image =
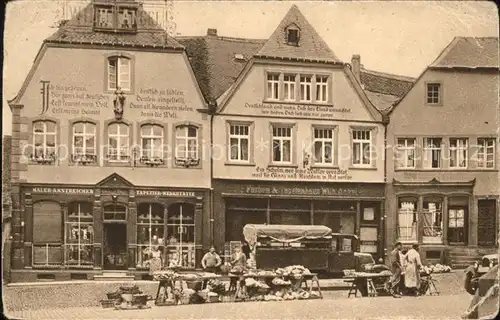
119,103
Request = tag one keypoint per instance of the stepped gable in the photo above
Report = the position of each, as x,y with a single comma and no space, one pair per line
311,46
80,30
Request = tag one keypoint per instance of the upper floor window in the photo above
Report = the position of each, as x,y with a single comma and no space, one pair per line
44,141
361,147
458,153
119,73
292,36
84,142
323,145
289,87
239,138
433,93
321,88
432,153
282,144
115,17
186,145
405,153
118,142
486,153
152,143
305,88
273,83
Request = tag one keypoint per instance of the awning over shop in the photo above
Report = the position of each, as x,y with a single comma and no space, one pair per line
284,233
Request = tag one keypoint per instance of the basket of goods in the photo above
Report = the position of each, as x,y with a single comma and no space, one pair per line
185,298
115,295
109,303
212,297
140,299
237,270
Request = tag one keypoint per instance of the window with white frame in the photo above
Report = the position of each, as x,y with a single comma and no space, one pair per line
324,146
150,232
321,88
84,142
361,147
432,215
432,153
239,138
119,73
405,153
289,87
186,145
44,140
118,142
282,144
485,153
407,219
273,84
458,152
79,231
305,88
433,93
152,142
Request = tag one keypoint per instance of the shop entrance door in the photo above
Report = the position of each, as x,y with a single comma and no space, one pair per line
115,246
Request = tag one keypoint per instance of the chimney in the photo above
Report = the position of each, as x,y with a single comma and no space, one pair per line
356,66
212,32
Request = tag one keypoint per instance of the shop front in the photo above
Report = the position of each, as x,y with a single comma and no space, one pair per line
350,208
112,225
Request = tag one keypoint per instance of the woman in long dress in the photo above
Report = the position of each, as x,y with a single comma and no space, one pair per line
412,270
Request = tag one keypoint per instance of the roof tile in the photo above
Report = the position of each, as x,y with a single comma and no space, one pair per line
470,52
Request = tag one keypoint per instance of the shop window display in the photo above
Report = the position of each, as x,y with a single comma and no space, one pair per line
181,235
79,233
150,233
432,214
407,220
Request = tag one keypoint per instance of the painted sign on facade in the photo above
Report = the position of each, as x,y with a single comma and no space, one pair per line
301,191
63,190
279,173
296,110
77,100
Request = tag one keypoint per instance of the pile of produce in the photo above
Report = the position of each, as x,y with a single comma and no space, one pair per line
165,275
216,286
282,295
437,268
296,271
281,282
266,273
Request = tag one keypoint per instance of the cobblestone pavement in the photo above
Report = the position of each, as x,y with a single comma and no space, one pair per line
18,298
426,307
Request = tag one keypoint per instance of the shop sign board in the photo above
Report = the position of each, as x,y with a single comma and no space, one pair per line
50,190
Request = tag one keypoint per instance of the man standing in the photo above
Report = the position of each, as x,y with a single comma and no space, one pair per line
211,261
395,261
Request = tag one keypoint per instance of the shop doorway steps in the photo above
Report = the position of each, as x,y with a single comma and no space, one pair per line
114,276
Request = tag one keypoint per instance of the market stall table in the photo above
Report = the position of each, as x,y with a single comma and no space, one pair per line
368,284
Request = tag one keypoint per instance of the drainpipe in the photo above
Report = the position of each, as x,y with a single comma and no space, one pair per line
385,121
212,107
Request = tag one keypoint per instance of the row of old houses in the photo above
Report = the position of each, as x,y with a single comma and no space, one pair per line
125,138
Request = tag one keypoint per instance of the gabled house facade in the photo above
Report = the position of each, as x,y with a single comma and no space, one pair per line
109,159
296,141
442,169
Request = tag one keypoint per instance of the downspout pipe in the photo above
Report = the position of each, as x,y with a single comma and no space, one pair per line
212,108
385,122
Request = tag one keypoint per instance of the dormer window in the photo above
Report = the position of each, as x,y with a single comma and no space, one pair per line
292,35
115,17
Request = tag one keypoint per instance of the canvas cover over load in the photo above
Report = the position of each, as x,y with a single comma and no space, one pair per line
285,233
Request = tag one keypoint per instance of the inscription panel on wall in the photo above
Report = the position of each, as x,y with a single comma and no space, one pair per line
280,173
296,110
79,100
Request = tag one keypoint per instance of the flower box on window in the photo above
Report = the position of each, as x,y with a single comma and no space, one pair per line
155,161
45,158
84,158
187,162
